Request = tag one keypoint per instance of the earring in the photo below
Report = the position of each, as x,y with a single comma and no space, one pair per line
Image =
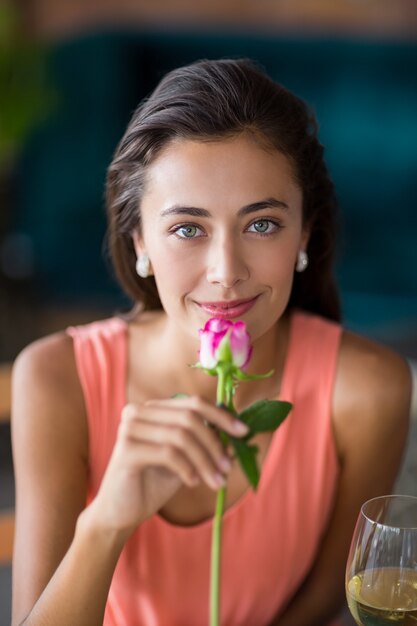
143,266
302,261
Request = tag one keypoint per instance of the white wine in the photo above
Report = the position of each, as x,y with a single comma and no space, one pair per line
383,597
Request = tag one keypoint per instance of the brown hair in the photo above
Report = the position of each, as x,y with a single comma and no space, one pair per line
210,100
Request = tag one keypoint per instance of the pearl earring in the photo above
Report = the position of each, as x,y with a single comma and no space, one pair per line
143,266
302,261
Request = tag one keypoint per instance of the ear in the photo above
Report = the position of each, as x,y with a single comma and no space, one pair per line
138,243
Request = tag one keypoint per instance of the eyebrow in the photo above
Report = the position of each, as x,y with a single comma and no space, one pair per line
268,203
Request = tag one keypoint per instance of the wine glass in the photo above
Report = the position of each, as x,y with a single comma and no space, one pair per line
381,572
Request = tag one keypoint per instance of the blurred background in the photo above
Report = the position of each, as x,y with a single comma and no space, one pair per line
71,74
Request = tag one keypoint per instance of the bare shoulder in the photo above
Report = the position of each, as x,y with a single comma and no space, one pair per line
45,378
50,357
373,370
372,392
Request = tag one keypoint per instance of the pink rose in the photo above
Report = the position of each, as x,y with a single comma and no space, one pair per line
224,340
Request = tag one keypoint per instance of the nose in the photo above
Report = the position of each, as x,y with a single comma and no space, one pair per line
226,264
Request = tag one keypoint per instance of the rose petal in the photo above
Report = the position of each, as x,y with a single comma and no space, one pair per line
240,344
207,354
216,331
217,325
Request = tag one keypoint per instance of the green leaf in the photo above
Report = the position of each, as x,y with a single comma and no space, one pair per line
265,416
243,376
246,454
198,366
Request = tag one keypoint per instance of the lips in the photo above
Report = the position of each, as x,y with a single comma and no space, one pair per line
228,309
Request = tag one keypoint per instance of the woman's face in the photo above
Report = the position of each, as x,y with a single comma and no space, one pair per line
222,226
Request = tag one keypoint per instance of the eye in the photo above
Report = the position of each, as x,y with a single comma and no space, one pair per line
187,231
264,227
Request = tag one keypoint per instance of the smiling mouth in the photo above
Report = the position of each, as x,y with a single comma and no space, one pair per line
228,309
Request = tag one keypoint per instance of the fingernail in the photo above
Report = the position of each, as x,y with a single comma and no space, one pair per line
225,464
219,480
240,428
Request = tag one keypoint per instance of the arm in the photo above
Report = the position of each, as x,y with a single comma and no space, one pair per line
65,555
371,407
50,456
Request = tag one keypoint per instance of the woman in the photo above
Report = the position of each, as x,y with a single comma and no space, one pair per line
219,205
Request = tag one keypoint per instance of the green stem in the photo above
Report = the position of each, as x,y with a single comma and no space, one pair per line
215,559
229,395
221,391
222,397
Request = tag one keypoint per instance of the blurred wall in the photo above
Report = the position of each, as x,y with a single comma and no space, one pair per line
58,18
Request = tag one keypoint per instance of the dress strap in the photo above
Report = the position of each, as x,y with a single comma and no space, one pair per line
312,358
100,351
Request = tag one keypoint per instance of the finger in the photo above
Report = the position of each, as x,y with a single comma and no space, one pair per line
172,437
187,419
217,416
167,457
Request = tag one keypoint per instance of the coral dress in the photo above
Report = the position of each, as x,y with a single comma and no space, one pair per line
270,538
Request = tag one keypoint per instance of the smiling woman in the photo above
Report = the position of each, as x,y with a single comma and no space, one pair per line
202,104
219,205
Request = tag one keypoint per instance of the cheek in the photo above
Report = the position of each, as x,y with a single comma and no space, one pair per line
175,271
279,270
276,265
